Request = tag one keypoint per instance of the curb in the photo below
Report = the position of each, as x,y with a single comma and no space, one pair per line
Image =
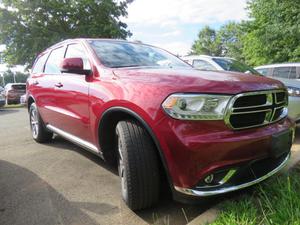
207,217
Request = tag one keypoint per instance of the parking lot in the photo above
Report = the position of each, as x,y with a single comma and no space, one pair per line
60,183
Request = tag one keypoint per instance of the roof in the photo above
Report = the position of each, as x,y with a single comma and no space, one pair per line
88,39
278,65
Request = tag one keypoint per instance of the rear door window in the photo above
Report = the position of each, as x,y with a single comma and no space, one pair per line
282,72
55,58
39,64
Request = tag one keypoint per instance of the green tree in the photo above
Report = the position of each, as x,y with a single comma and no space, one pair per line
11,77
273,32
227,41
29,26
230,36
207,43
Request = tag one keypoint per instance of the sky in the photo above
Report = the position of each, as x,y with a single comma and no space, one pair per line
174,24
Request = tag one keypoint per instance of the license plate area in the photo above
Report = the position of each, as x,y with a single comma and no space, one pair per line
281,143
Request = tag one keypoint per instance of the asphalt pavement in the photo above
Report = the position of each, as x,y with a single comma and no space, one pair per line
60,183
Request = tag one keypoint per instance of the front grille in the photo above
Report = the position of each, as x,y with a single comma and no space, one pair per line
254,109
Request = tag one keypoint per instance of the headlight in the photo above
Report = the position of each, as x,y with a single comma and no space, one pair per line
196,106
293,91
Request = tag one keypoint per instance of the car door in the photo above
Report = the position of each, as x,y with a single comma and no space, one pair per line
73,97
40,87
50,84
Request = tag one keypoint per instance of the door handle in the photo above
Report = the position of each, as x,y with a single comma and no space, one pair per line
59,85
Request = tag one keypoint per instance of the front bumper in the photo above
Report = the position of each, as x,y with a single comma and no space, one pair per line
294,108
195,149
223,190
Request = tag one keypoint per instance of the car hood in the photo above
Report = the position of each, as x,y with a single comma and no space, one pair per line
192,80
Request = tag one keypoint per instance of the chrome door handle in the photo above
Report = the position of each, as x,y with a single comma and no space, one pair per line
35,82
59,85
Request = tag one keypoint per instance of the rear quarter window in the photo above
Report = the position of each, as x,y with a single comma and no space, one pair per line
293,73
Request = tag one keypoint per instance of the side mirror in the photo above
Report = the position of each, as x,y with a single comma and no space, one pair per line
73,65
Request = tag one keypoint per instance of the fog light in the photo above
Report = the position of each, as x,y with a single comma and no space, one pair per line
209,179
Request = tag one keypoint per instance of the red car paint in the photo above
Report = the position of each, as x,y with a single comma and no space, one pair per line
190,149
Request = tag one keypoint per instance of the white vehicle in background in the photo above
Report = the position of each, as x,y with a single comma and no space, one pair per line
289,74
23,100
205,62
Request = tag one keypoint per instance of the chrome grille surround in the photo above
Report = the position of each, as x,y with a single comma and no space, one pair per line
270,107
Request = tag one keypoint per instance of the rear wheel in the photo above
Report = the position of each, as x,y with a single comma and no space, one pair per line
38,129
137,165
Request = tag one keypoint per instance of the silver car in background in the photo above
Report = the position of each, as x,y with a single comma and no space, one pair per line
289,74
205,62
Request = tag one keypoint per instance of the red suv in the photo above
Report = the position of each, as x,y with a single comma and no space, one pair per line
205,133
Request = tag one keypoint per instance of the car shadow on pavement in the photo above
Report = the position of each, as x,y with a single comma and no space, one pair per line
26,199
166,211
59,142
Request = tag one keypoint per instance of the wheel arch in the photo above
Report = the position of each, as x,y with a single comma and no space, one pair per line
29,101
106,128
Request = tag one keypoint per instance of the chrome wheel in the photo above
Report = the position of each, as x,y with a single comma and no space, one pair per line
121,169
34,121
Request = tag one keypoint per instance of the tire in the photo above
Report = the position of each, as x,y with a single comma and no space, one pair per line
38,129
137,165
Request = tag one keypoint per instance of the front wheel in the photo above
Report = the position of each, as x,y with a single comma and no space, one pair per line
137,165
38,130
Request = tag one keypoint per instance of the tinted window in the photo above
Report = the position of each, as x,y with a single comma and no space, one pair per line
234,65
77,51
18,87
293,73
202,65
281,72
39,64
123,54
55,58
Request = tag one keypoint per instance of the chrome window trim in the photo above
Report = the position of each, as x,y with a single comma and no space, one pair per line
269,117
76,140
195,192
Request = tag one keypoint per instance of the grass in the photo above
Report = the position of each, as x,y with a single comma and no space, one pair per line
275,201
14,106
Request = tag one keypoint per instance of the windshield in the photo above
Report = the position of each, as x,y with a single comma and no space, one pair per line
234,65
117,54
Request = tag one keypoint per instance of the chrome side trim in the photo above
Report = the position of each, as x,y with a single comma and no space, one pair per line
74,139
195,192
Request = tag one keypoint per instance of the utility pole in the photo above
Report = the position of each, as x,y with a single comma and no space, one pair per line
3,81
